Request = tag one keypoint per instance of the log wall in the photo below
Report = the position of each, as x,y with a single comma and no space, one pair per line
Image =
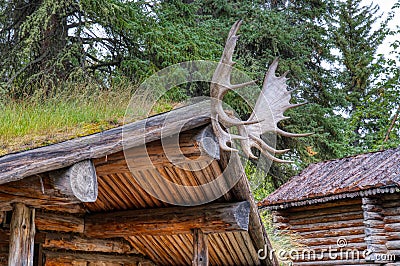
348,227
337,226
391,212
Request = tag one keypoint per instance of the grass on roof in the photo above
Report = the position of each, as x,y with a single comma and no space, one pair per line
35,122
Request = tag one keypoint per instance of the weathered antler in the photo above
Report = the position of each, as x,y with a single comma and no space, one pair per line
273,101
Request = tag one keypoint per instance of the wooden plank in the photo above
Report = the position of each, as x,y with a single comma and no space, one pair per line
20,165
69,258
79,243
200,248
218,217
22,236
59,222
186,147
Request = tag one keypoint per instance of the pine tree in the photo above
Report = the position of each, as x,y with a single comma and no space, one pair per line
367,79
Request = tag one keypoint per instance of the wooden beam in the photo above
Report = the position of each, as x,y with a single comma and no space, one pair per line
193,145
200,248
71,185
69,258
79,243
46,221
20,165
211,218
77,181
22,236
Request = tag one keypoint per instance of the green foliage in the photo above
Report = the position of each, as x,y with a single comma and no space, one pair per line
353,97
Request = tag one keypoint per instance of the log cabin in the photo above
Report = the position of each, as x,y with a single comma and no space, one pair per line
101,199
349,205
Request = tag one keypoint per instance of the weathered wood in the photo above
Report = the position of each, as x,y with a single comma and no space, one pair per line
200,248
79,243
69,258
52,190
332,233
59,222
78,180
22,236
375,238
328,218
20,165
208,142
356,202
232,167
393,245
176,150
211,218
327,225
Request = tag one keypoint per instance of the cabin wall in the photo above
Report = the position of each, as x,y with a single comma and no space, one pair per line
391,213
348,227
334,231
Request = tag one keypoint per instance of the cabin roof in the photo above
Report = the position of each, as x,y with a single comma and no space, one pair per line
118,189
364,174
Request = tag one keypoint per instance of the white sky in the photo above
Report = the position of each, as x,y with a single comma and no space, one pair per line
385,6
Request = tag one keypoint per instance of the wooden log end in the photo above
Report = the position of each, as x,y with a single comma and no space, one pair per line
84,181
242,215
208,142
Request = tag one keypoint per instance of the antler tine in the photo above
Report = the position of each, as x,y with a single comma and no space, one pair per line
259,141
288,134
231,44
224,137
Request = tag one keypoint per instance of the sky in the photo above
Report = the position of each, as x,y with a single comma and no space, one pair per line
385,6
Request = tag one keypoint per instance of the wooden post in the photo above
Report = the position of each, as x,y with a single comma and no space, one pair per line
22,236
200,249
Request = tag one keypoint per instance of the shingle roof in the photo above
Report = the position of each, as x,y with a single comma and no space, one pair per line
340,177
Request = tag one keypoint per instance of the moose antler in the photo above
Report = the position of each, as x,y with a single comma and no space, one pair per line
273,101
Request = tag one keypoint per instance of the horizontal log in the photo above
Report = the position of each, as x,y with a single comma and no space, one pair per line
391,219
53,258
327,218
390,197
356,245
331,240
23,164
211,218
346,231
392,235
392,211
79,243
393,244
337,204
392,227
327,225
56,222
308,213
193,145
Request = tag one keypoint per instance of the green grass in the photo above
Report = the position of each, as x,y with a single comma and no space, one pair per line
36,122
73,112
